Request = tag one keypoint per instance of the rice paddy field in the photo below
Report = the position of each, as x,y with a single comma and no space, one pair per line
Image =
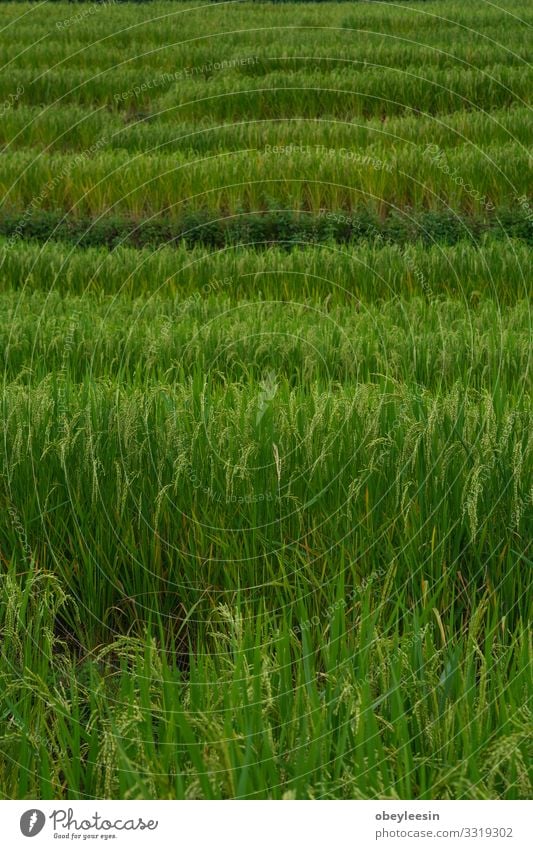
266,450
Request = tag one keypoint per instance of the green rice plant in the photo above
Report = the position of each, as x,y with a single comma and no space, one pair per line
68,128
135,28
343,275
368,93
216,493
432,344
206,55
340,94
265,506
348,709
463,179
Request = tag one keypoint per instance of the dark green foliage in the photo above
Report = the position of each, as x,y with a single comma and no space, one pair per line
275,227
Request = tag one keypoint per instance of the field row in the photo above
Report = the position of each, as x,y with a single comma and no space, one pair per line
374,474
294,48
373,92
73,128
500,270
357,706
464,179
204,588
134,27
263,230
433,344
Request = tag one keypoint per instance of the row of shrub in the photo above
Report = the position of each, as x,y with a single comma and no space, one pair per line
272,227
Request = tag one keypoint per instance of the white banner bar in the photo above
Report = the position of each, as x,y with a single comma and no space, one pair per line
267,824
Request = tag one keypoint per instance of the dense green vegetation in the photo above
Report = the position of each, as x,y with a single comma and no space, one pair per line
266,478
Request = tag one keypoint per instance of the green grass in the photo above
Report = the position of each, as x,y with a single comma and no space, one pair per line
266,434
